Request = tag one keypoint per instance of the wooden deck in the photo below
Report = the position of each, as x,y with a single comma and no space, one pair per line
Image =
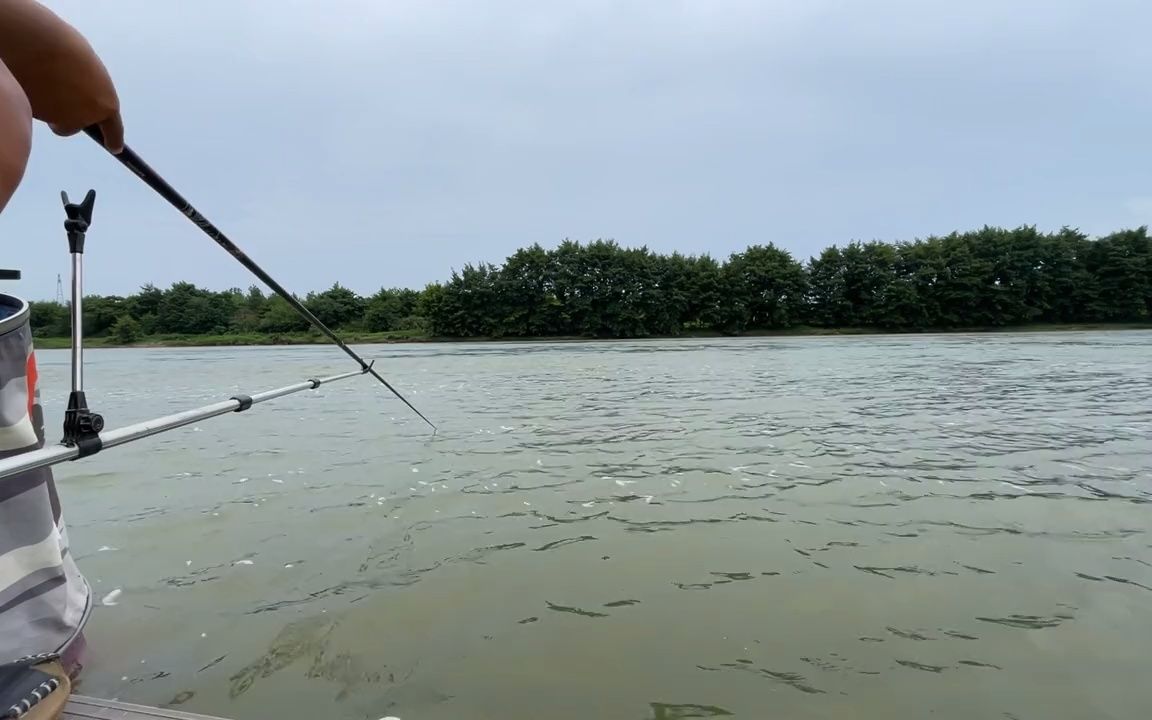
86,708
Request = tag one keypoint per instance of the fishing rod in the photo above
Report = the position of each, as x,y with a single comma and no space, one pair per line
83,429
154,180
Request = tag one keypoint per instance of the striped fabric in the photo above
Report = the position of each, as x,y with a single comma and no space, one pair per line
44,600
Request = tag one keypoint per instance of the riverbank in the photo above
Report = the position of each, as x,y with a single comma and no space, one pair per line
226,340
234,339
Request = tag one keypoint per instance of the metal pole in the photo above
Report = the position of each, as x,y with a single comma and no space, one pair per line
77,322
81,426
56,454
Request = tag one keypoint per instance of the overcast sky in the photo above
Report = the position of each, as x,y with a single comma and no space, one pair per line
384,142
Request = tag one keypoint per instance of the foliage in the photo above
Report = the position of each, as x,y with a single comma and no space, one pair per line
766,288
279,317
336,307
126,329
987,278
390,309
50,319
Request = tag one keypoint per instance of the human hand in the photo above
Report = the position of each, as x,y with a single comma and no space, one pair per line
67,84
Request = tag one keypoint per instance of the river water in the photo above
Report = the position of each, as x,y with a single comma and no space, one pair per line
953,527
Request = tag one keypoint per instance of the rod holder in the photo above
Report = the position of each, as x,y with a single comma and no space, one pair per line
81,426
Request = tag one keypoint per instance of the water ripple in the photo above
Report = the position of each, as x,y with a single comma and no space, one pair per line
842,528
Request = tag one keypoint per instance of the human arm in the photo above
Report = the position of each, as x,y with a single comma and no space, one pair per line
15,134
65,81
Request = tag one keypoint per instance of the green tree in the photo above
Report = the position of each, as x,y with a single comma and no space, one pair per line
467,304
849,287
146,301
389,308
50,319
706,293
1064,287
1122,265
336,307
189,310
126,329
767,290
985,277
526,287
248,308
280,317
102,312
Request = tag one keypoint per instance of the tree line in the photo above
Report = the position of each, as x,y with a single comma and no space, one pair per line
990,277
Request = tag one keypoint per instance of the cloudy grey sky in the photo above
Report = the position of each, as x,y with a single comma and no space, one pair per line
384,142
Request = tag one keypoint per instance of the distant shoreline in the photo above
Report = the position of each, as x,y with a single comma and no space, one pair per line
249,340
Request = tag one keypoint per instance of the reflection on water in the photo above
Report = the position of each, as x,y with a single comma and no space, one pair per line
953,527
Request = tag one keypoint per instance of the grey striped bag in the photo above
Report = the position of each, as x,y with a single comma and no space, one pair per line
44,600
